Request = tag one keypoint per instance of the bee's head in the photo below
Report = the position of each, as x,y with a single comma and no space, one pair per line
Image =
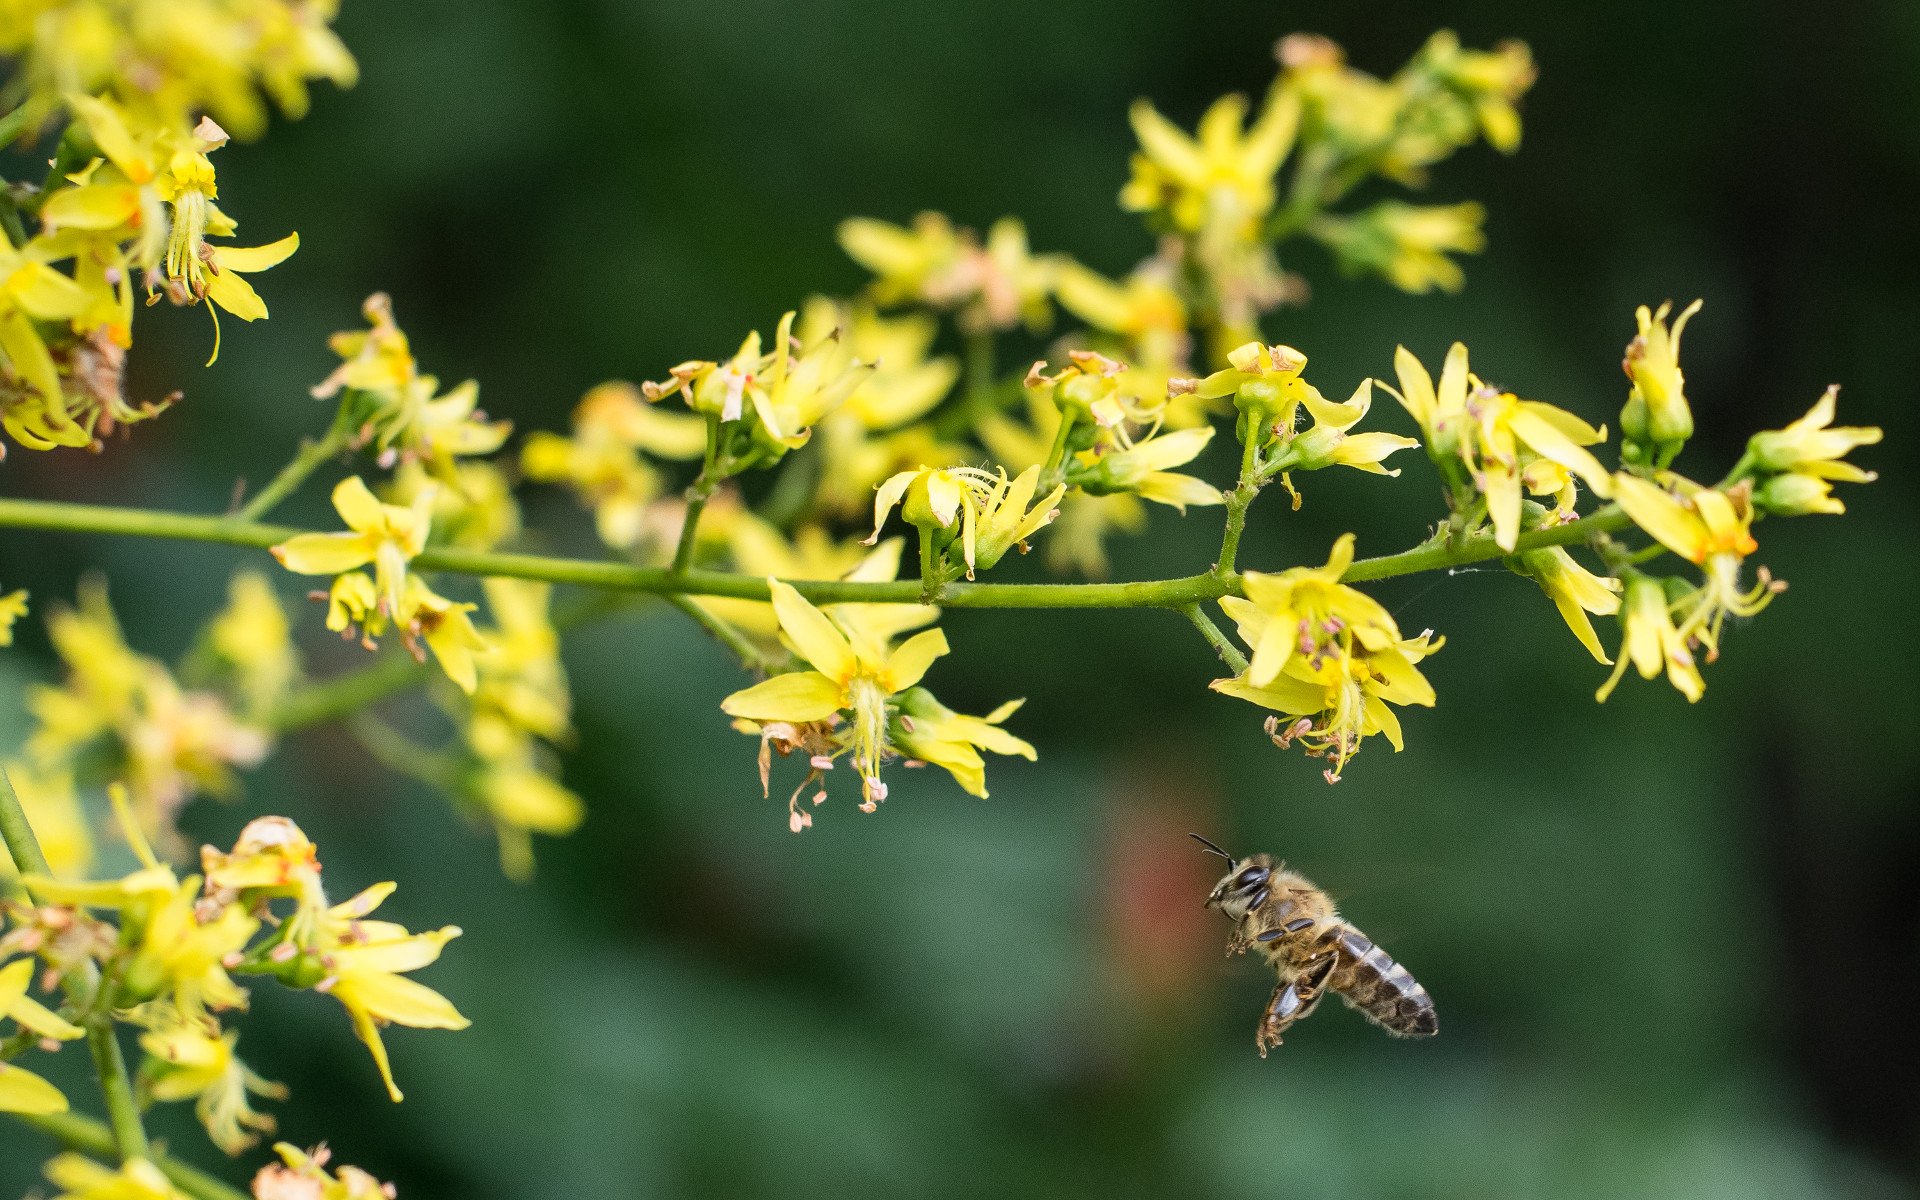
1244,883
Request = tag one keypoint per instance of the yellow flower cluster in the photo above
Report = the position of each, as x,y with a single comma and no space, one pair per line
124,717
398,410
386,537
147,90
168,951
1326,657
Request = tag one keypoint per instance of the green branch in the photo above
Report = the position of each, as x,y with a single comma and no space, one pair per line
623,577
1228,652
311,457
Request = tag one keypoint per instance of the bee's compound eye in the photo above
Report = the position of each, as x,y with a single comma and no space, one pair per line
1251,878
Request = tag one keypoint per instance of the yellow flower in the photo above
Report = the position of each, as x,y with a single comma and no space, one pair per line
789,390
32,406
522,685
186,1061
858,680
397,405
1407,244
80,1178
1148,317
994,513
928,730
13,606
1574,590
1806,457
1141,468
178,949
166,743
1222,176
1710,528
367,962
304,1177
447,630
252,638
992,286
521,799
1326,654
1329,444
1652,641
1657,415
473,508
156,164
1697,525
385,535
904,384
1496,439
601,461
21,1091
1491,80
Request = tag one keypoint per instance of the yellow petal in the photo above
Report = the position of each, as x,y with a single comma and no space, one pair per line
813,635
1663,517
795,696
1416,387
323,553
21,1091
256,258
356,504
236,295
909,663
393,955
399,1000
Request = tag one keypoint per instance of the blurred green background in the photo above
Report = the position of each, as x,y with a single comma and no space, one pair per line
1673,948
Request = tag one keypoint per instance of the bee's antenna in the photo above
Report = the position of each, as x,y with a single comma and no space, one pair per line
1213,849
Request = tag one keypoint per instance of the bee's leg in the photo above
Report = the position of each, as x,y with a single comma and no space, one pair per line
1282,1010
1292,1002
1313,983
1238,942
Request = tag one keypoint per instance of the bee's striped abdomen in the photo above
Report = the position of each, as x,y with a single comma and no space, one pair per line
1386,992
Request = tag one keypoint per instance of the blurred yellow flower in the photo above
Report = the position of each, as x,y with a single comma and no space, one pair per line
80,1178
13,606
187,1061
1222,175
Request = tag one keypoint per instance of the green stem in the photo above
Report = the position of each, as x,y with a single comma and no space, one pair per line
24,848
1055,469
349,693
123,1111
703,487
624,577
724,632
1228,652
403,756
93,1139
312,456
690,527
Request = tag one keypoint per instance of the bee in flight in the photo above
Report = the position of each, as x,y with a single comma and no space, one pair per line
1295,925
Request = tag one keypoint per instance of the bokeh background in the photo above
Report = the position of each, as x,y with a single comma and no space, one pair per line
1674,948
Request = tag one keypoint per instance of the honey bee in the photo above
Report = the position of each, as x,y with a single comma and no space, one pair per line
1295,925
